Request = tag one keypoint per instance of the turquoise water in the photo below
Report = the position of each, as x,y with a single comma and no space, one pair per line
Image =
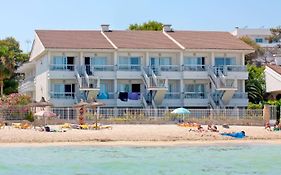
88,160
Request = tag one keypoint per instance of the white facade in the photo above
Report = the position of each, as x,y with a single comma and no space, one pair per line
260,36
157,78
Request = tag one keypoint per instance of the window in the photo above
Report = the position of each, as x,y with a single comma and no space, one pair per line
194,63
222,61
63,63
63,90
123,87
195,90
129,63
259,40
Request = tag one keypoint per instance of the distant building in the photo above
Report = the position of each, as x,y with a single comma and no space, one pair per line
260,36
137,69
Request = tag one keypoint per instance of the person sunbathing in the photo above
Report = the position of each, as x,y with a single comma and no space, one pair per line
267,126
212,128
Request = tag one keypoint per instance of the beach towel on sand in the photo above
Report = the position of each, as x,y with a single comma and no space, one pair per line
238,135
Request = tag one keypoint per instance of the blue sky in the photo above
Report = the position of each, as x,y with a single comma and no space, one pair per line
19,18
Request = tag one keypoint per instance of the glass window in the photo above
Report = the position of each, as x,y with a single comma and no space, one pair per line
123,60
259,40
135,60
193,60
165,60
123,87
221,61
98,60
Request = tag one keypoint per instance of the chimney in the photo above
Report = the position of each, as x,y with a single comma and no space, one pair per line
167,28
105,27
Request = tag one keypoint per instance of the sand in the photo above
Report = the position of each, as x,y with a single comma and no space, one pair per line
136,135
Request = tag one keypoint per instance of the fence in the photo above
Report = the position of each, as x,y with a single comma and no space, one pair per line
133,115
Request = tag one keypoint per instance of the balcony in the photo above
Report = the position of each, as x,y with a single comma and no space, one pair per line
192,71
195,99
108,98
239,99
62,99
61,71
129,71
134,100
234,71
172,99
27,85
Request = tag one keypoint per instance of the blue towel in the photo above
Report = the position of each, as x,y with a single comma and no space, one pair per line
238,135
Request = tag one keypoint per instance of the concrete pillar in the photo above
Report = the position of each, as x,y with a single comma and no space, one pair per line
213,58
266,113
81,61
146,59
115,59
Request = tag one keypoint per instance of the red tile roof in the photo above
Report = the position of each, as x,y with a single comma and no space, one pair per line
77,39
73,39
141,40
208,40
276,68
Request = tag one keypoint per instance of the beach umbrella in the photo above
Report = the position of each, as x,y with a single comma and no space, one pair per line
181,111
42,103
45,114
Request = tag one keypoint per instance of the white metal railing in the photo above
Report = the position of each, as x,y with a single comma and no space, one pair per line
92,68
195,67
62,95
169,68
146,78
172,95
135,114
144,103
195,95
79,79
62,67
129,67
236,68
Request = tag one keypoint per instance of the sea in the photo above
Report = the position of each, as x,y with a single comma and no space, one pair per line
246,159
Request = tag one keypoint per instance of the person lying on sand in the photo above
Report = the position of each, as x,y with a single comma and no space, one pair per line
212,128
267,126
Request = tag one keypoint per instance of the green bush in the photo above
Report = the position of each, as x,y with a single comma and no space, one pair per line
29,116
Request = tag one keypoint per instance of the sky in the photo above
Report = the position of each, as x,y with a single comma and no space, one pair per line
19,18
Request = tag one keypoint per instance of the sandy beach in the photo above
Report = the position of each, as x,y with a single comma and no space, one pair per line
136,135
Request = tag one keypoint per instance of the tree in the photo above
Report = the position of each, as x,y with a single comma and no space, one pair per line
150,25
10,58
255,85
252,57
276,34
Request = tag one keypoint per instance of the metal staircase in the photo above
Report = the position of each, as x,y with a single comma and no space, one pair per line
156,87
89,86
224,87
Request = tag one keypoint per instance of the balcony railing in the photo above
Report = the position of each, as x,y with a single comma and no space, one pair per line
194,67
62,67
129,67
62,95
174,68
195,95
240,95
93,68
236,68
106,95
172,95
